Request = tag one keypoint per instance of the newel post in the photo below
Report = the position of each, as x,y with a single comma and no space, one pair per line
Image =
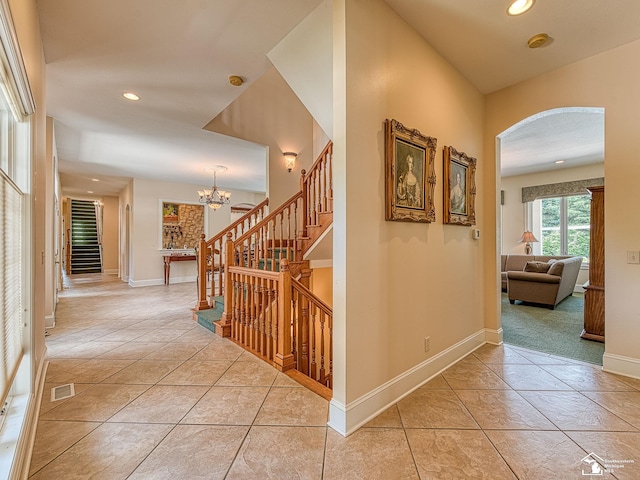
305,202
223,326
202,275
284,359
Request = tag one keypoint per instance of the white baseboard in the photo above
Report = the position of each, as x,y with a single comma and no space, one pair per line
346,419
627,366
494,337
27,436
50,320
159,281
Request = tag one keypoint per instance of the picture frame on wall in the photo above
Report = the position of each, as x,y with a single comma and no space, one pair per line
410,176
460,188
170,212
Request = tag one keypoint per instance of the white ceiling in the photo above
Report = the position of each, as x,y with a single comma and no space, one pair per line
177,57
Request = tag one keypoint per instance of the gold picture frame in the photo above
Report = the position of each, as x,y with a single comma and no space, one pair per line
410,176
460,188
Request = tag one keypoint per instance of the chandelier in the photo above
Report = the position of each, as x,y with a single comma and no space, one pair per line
215,198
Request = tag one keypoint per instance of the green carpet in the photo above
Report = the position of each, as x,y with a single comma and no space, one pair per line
551,331
207,317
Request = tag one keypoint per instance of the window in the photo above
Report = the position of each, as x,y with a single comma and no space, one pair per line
565,225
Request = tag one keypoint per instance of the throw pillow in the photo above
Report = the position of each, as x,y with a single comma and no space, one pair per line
556,269
537,267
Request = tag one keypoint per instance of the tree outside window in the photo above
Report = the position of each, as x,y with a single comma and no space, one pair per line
566,226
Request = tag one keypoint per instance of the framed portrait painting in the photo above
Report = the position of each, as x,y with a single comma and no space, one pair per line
410,177
459,188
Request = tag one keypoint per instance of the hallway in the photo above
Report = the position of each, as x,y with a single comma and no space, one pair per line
159,397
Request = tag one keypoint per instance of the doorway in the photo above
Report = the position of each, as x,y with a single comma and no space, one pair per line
552,154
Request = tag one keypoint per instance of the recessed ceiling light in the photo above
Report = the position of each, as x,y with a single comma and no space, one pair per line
131,96
95,180
518,7
559,161
89,191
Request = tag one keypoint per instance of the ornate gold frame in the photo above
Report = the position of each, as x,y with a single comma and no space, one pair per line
410,176
459,200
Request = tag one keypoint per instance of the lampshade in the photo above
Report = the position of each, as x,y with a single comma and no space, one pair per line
527,237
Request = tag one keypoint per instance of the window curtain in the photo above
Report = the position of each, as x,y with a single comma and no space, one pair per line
564,189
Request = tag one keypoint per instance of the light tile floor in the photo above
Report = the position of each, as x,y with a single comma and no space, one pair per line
160,397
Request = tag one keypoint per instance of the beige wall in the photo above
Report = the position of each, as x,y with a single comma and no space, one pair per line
110,234
396,283
269,113
146,240
322,284
609,81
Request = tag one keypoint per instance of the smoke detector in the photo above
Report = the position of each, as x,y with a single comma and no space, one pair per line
236,80
538,40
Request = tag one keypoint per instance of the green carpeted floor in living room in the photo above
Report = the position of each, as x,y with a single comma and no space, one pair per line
551,331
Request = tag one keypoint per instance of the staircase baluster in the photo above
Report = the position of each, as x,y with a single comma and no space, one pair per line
322,342
294,326
304,335
324,183
273,324
312,334
263,313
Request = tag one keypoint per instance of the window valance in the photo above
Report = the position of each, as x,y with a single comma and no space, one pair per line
564,189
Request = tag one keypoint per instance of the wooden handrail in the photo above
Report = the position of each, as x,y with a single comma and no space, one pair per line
312,325
305,291
328,150
269,217
67,266
258,208
212,255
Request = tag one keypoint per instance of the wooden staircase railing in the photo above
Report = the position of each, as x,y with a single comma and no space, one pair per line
266,310
312,323
214,258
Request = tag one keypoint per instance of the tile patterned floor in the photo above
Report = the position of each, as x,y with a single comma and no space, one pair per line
159,397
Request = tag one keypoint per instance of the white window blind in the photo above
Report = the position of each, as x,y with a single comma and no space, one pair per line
11,257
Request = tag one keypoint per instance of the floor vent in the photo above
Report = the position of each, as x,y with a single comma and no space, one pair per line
62,392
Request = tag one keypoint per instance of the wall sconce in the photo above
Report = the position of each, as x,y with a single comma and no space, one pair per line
290,160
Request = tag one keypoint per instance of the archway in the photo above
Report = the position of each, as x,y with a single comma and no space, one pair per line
545,160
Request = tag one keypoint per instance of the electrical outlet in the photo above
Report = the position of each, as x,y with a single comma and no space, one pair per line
427,341
633,256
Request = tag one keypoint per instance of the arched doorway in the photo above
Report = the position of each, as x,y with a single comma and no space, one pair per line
546,162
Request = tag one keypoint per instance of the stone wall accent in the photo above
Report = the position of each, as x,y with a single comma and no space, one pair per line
187,229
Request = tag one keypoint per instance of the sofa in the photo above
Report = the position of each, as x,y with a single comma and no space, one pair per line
545,280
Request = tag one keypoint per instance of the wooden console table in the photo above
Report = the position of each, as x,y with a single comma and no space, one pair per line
174,258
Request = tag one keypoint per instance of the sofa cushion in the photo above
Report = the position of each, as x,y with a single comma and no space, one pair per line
556,268
517,262
537,267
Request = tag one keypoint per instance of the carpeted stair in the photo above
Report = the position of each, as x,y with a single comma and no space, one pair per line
207,317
